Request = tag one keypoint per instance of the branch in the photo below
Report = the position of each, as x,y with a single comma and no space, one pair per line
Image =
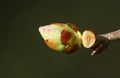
112,36
103,40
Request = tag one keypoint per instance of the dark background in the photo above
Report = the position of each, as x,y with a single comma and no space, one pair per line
23,53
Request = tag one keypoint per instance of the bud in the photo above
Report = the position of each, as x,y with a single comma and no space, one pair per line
61,37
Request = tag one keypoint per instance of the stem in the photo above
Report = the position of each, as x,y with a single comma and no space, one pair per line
112,36
103,40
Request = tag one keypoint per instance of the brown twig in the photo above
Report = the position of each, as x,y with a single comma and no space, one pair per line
103,40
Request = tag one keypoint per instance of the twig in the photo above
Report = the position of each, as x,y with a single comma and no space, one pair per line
103,40
112,36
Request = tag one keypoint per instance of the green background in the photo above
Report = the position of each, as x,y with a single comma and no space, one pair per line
23,53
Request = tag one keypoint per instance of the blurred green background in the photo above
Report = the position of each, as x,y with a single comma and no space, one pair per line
23,53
